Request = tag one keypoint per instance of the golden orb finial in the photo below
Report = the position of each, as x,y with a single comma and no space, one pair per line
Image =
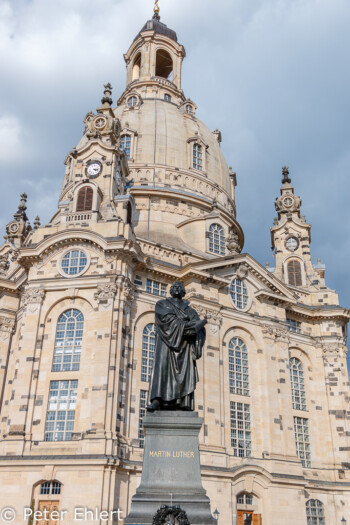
156,7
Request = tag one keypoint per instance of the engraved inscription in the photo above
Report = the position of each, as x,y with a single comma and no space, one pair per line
174,454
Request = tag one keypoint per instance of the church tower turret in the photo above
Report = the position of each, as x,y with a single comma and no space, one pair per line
291,239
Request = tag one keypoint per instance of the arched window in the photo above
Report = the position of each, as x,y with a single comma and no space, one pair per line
216,239
315,512
298,385
167,97
69,335
164,64
238,367
189,109
125,144
294,273
197,157
84,200
239,293
136,67
148,347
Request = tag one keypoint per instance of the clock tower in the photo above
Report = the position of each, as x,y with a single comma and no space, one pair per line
291,239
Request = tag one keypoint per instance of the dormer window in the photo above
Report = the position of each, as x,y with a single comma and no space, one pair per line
167,97
84,200
125,144
189,109
197,157
132,101
216,239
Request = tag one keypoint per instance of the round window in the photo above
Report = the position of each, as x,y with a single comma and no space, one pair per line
74,262
239,293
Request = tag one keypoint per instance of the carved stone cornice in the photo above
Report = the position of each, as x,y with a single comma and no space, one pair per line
33,296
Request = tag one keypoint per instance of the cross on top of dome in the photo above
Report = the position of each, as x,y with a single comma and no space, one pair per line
156,10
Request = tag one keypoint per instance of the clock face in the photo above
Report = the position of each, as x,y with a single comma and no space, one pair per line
94,169
100,123
292,244
288,201
14,227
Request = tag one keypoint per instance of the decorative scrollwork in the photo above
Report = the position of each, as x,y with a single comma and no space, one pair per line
33,295
4,263
6,324
106,291
170,516
213,316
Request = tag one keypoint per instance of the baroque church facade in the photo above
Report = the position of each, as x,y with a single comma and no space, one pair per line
147,199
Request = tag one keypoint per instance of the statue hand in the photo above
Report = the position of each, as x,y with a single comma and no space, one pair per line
201,324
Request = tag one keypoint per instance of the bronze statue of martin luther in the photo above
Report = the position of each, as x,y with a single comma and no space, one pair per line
180,337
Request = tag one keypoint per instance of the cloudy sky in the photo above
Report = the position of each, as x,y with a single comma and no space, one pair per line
272,75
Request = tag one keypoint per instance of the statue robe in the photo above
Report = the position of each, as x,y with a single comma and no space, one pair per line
178,346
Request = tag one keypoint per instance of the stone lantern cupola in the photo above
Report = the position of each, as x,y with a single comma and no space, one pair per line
155,57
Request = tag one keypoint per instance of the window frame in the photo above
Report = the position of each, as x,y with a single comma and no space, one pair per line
86,188
148,346
244,286
68,420
301,262
319,516
302,446
76,349
237,366
143,395
151,286
78,274
191,142
298,388
127,147
221,242
242,427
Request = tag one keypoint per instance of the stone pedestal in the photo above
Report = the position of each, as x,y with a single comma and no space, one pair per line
171,469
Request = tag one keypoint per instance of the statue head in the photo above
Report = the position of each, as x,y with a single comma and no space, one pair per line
177,290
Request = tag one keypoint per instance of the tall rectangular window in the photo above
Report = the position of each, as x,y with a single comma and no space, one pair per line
241,440
156,288
142,413
294,326
302,440
197,157
61,410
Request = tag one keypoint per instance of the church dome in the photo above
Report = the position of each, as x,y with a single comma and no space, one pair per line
156,25
178,176
165,134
